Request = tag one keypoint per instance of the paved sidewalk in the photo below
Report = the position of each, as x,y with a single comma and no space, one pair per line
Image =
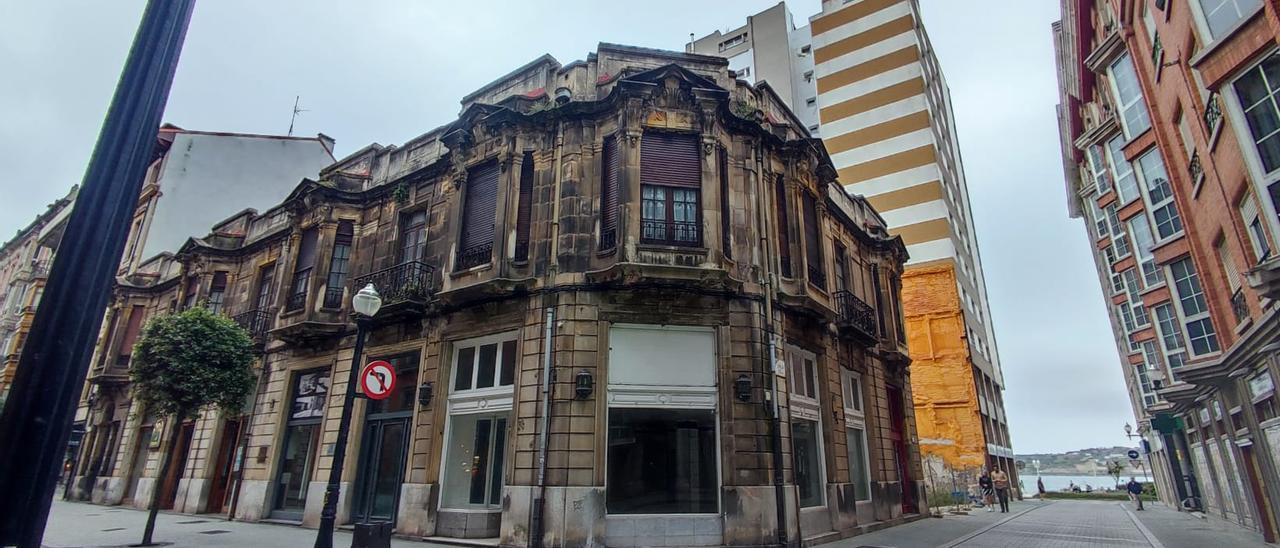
1177,529
930,532
78,524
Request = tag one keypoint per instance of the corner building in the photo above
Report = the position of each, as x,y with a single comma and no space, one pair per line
1167,114
629,304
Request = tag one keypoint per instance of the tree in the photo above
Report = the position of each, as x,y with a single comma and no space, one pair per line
1114,469
184,362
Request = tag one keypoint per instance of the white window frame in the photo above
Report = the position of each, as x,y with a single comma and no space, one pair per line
803,407
855,417
1152,274
474,401
1122,198
1233,111
1121,106
1185,318
1118,233
1098,220
1145,180
1202,22
1095,157
1254,225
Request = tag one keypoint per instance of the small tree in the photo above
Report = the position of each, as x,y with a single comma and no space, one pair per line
1114,469
184,362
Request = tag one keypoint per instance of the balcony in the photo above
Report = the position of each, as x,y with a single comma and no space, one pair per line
406,286
1239,307
854,317
677,233
468,258
333,297
1265,279
256,322
817,277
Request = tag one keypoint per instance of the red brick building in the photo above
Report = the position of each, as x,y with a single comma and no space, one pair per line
1171,144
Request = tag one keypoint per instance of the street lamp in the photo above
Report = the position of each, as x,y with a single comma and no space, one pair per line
366,303
1128,432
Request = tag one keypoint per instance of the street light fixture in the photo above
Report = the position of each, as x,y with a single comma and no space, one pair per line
366,304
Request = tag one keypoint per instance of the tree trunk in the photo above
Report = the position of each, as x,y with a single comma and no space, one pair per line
174,435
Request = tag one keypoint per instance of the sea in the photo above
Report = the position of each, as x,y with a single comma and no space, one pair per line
1061,483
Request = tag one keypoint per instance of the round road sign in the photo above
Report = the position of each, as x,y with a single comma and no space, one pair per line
378,379
1133,454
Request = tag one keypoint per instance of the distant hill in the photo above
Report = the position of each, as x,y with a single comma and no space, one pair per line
1082,461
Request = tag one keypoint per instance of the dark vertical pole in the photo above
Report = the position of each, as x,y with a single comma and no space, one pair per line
329,514
36,420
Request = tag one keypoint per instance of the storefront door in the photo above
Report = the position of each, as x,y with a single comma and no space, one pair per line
224,466
301,441
384,446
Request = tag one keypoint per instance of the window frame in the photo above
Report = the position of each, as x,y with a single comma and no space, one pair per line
1200,316
1202,22
1234,113
1121,106
1166,189
668,220
1115,147
1152,274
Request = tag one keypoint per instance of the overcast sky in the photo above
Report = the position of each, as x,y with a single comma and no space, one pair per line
387,71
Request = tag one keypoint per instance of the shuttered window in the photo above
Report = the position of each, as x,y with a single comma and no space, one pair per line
480,212
131,331
784,236
524,210
813,242
879,296
339,264
670,189
842,277
217,292
301,282
610,162
722,161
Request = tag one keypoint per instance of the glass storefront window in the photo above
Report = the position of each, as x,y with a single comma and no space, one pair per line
302,436
807,445
662,461
858,471
473,467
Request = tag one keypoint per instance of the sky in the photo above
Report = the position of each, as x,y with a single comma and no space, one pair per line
386,71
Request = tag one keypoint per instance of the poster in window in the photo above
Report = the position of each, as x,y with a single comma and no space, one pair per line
308,399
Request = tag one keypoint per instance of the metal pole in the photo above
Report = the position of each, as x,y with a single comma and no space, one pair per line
36,420
324,537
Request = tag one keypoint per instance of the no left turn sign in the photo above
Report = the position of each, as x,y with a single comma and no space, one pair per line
378,379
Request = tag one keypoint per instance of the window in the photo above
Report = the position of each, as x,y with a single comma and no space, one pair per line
1109,253
1195,311
804,375
266,287
1257,91
1141,231
1119,239
842,275
1122,170
1262,391
339,265
485,366
670,189
1126,317
1128,95
192,291
1160,195
1099,219
1220,16
479,407
726,214
877,293
217,292
131,332
784,223
817,272
524,209
1098,168
1257,234
301,283
610,165
1144,384
1117,282
1170,333
413,236
811,101
662,461
733,41
895,288
301,441
806,443
479,216
479,442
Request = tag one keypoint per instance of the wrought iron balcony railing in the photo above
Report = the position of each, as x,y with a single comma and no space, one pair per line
257,322
473,256
333,297
608,238
817,277
855,314
410,281
1238,306
295,301
682,233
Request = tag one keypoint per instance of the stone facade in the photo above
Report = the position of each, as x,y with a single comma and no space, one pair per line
1166,160
595,373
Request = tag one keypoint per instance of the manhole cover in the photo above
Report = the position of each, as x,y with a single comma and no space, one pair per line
214,532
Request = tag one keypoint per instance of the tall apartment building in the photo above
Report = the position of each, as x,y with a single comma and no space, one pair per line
610,227
1168,121
866,69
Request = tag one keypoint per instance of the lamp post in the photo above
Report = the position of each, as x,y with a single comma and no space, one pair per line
1128,432
366,303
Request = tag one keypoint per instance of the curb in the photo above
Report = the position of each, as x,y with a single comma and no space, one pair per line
1151,538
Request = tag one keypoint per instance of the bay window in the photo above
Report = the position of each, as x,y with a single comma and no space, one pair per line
1122,170
670,189
1128,97
1195,310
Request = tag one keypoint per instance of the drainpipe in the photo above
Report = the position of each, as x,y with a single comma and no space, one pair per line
555,204
535,529
775,426
245,429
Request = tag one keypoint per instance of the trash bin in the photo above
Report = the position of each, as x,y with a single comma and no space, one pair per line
375,534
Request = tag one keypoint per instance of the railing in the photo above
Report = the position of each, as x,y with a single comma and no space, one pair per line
1213,112
257,322
852,312
522,250
409,281
817,277
333,297
474,256
40,269
295,301
608,238
1238,306
683,233
1194,168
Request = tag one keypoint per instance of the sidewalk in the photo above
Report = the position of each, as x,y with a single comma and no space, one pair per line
80,525
932,532
1177,529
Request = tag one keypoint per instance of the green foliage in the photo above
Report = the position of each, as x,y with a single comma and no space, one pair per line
401,193
938,498
1114,469
1096,495
183,362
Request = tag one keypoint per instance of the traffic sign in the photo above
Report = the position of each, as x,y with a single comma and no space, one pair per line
378,379
1133,454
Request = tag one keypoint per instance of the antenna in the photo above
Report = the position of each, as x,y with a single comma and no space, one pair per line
296,112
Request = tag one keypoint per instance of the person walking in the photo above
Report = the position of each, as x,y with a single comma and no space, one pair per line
1040,486
1135,492
1001,482
988,490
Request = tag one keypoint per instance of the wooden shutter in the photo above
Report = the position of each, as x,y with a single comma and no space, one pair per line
306,250
132,330
784,237
722,162
480,207
609,185
670,159
812,241
878,295
524,210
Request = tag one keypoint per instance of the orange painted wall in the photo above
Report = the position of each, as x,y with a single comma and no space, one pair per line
946,400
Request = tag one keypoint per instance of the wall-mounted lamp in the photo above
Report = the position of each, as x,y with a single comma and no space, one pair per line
425,392
742,387
583,384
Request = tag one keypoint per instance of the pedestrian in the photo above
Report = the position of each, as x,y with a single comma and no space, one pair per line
1040,486
988,490
1001,481
1135,492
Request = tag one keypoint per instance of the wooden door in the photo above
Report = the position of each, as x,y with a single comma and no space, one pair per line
178,457
224,464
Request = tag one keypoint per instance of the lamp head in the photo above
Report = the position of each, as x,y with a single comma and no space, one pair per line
367,302
1128,428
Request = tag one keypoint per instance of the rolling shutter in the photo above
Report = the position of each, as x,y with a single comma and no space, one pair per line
670,159
609,188
784,235
524,210
722,161
480,209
